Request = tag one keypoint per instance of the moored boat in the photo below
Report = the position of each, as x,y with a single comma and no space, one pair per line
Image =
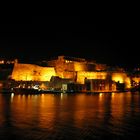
26,91
6,90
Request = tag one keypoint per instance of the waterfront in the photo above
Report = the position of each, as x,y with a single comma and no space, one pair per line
70,116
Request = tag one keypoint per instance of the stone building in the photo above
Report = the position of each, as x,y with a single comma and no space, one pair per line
79,69
67,67
73,69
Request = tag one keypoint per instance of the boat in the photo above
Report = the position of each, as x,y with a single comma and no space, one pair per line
6,90
26,91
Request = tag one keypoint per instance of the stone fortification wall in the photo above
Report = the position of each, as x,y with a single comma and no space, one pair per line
28,72
120,77
81,75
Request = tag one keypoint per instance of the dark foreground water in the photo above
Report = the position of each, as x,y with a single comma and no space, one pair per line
65,116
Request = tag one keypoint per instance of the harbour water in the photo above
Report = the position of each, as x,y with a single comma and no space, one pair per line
70,116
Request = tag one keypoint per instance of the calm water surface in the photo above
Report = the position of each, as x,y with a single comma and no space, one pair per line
65,116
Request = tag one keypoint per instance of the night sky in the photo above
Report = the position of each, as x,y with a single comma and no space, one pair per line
111,40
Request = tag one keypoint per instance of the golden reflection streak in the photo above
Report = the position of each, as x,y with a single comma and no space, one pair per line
28,106
100,94
79,114
45,109
12,96
46,117
88,106
119,102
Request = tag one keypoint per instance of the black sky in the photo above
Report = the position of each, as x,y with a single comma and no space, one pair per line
107,40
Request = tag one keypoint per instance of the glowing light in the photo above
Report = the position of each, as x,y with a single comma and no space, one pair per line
113,94
62,95
2,62
100,94
128,82
12,96
118,77
100,97
36,87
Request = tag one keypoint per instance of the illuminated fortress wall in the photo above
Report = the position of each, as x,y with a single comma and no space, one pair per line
28,72
122,78
81,75
116,77
63,63
67,67
79,69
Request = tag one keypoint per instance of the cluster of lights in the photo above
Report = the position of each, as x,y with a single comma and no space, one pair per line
6,62
68,61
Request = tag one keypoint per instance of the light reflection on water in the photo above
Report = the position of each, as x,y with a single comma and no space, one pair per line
70,116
